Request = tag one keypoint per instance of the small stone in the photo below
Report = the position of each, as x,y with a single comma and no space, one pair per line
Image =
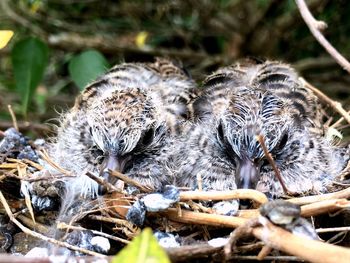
137,213
218,242
101,244
166,240
37,252
229,208
280,212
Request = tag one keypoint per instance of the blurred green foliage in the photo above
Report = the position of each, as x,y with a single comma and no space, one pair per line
143,249
29,59
86,67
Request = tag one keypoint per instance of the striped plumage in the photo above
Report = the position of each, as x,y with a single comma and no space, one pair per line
123,122
242,101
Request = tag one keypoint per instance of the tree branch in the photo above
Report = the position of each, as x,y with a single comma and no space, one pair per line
315,27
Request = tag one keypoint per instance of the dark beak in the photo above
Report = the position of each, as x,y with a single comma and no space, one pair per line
113,163
247,174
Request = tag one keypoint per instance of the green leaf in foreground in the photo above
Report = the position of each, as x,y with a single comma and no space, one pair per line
143,249
86,67
29,59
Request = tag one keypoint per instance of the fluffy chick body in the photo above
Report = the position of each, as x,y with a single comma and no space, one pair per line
245,100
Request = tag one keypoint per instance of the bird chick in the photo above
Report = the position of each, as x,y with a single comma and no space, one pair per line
123,122
241,102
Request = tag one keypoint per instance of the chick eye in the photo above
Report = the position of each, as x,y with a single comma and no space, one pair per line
148,136
97,153
282,142
220,133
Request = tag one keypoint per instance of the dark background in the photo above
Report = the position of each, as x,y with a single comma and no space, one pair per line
203,34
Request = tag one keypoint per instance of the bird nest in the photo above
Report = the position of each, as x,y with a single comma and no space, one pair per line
252,234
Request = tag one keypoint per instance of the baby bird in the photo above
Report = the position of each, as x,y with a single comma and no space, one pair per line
123,122
243,101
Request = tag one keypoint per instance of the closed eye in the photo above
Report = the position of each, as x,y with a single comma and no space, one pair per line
282,143
97,153
147,138
220,134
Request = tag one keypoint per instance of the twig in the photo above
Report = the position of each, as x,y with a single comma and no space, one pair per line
333,229
116,221
37,226
185,253
269,258
45,156
317,198
224,195
74,42
63,225
315,26
40,236
240,231
203,218
272,163
323,207
103,182
128,180
264,252
273,236
334,104
13,117
338,122
310,250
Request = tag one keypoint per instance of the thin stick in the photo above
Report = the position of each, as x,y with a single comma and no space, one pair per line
103,182
203,218
224,195
40,236
45,156
334,104
116,221
36,226
63,225
272,163
13,117
128,180
273,236
315,26
317,198
310,250
323,207
333,229
338,122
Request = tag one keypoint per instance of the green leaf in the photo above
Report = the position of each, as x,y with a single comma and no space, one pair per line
29,58
143,249
86,67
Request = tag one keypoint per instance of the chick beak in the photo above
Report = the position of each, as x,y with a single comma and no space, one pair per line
247,174
113,163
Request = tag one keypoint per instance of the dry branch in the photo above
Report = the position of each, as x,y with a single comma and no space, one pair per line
317,198
322,207
273,236
224,195
315,27
307,249
271,161
63,225
74,42
103,182
128,180
334,104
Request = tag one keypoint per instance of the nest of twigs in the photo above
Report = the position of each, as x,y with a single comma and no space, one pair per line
253,236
